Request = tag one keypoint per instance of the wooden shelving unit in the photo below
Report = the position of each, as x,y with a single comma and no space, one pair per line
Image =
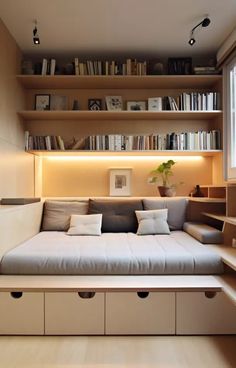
227,219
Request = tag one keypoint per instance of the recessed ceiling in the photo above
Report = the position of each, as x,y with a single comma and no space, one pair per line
127,27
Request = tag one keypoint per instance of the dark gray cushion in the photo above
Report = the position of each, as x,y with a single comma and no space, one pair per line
204,233
118,215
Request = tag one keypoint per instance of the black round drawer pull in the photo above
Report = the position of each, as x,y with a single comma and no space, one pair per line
210,294
142,294
86,294
16,294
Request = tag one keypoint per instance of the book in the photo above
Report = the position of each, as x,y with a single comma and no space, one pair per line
52,66
44,67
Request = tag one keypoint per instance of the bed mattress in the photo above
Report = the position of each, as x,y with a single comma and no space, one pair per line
55,253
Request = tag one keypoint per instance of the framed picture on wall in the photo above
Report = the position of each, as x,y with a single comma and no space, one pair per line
120,182
42,102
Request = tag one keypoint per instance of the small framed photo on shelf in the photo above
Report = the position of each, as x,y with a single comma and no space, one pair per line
136,105
94,104
155,104
120,182
114,103
42,102
59,103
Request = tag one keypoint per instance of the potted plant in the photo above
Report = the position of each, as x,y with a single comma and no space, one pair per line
162,175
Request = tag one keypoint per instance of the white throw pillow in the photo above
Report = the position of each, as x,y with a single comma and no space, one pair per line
152,222
85,225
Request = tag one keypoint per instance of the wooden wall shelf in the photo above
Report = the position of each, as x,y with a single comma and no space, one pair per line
118,81
119,115
124,153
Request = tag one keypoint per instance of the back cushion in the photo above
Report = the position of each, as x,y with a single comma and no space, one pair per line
56,214
176,210
118,215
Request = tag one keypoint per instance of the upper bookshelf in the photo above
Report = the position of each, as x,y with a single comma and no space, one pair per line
118,81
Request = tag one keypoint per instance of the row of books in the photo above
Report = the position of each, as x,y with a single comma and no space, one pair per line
201,140
98,67
48,142
202,70
196,101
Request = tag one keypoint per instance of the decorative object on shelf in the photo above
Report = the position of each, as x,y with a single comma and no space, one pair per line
136,105
162,175
197,192
114,103
155,67
94,104
59,103
36,39
155,104
204,23
180,66
27,67
75,105
42,102
120,182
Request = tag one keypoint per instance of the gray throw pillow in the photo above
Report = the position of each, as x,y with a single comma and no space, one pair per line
118,216
56,214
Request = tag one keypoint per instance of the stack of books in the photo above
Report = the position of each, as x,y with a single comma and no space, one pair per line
42,143
205,70
196,101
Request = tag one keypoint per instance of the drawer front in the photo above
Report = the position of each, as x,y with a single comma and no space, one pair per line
204,314
131,313
72,313
21,313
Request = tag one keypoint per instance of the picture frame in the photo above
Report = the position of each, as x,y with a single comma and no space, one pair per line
136,105
58,103
114,103
95,104
155,104
120,182
42,102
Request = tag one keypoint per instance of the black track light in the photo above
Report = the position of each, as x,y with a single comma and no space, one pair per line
204,23
36,39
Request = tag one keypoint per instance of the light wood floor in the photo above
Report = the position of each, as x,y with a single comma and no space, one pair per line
118,352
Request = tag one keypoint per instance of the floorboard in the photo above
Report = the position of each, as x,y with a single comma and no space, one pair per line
117,352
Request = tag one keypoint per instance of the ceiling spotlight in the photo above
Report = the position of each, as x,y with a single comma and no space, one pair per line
204,23
36,39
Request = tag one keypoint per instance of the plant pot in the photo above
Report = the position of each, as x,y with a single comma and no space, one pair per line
162,190
170,192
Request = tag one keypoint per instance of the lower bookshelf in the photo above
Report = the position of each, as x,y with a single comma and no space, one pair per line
124,153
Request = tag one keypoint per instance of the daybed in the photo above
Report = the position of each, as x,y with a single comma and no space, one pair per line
118,282
119,250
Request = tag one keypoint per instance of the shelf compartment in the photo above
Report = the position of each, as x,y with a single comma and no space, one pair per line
118,81
119,115
227,219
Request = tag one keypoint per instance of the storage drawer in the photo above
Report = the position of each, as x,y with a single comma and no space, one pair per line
200,313
140,313
21,313
72,313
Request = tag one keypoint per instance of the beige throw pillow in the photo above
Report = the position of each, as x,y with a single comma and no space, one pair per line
56,214
85,225
152,222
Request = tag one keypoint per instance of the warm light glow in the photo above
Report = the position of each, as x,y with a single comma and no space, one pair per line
122,158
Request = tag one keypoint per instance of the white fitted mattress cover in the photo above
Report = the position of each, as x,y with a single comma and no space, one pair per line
55,253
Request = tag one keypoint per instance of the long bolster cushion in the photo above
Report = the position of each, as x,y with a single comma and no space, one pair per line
204,233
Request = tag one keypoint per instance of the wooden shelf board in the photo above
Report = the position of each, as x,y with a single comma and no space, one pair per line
119,81
118,115
208,199
108,283
228,282
124,153
227,254
229,220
